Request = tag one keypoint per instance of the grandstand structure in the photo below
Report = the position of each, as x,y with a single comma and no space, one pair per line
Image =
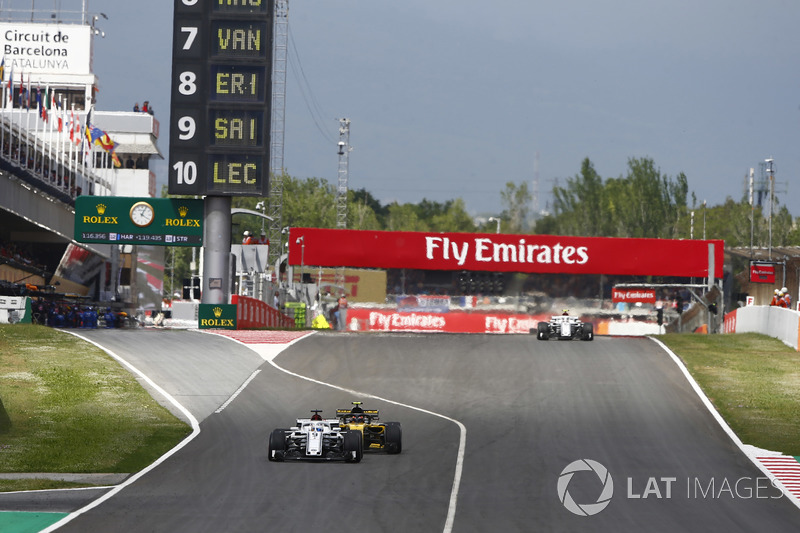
54,147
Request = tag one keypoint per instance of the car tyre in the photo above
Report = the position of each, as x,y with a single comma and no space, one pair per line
277,445
353,446
543,331
394,438
588,331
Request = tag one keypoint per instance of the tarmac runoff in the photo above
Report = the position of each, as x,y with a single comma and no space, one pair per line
33,522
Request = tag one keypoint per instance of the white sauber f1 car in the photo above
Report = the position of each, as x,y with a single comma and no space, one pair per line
315,438
564,327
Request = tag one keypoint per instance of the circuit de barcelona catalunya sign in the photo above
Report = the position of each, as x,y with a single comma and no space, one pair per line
505,253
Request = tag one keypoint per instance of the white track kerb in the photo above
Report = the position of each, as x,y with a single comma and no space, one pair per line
192,420
269,351
749,451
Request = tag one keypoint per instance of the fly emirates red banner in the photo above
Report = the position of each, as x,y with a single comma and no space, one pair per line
503,253
633,295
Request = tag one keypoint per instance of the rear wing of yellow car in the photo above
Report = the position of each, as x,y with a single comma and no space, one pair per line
370,413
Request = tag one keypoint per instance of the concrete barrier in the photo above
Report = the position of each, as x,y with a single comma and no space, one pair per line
778,322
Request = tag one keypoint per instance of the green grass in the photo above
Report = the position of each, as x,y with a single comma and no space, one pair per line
753,381
74,409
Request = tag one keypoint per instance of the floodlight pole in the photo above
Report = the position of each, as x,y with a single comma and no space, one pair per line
771,174
752,210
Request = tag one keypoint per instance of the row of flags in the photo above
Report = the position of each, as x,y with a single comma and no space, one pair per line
51,108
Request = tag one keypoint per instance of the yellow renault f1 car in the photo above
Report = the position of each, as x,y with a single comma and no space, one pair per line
386,436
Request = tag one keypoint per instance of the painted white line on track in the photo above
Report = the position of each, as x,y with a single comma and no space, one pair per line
192,420
747,450
238,391
268,352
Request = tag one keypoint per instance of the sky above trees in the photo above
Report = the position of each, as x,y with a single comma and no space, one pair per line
455,98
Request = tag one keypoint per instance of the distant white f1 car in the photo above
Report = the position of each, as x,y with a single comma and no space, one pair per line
315,438
564,327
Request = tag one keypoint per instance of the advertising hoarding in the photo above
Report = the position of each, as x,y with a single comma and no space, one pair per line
130,220
46,48
633,295
762,272
505,253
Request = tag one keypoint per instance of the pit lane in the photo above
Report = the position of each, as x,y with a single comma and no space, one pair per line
530,408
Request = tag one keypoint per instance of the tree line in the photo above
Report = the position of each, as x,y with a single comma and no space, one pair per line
643,203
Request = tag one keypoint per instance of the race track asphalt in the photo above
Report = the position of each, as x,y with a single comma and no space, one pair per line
530,408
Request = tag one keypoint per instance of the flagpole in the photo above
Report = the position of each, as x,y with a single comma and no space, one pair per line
59,152
62,152
3,96
10,94
46,136
104,162
11,114
49,122
78,141
71,143
48,126
19,128
42,135
73,166
28,157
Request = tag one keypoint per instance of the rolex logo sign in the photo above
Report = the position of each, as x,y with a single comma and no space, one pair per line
182,222
217,316
100,217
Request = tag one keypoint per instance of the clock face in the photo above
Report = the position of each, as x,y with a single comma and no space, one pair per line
142,214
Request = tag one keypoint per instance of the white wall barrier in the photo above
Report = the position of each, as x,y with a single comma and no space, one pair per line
778,322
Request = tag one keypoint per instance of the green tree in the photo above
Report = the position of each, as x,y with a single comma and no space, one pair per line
584,198
309,203
404,218
782,226
516,201
360,215
652,203
644,203
365,198
454,218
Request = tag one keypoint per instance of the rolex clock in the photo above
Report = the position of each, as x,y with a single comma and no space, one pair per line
142,214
